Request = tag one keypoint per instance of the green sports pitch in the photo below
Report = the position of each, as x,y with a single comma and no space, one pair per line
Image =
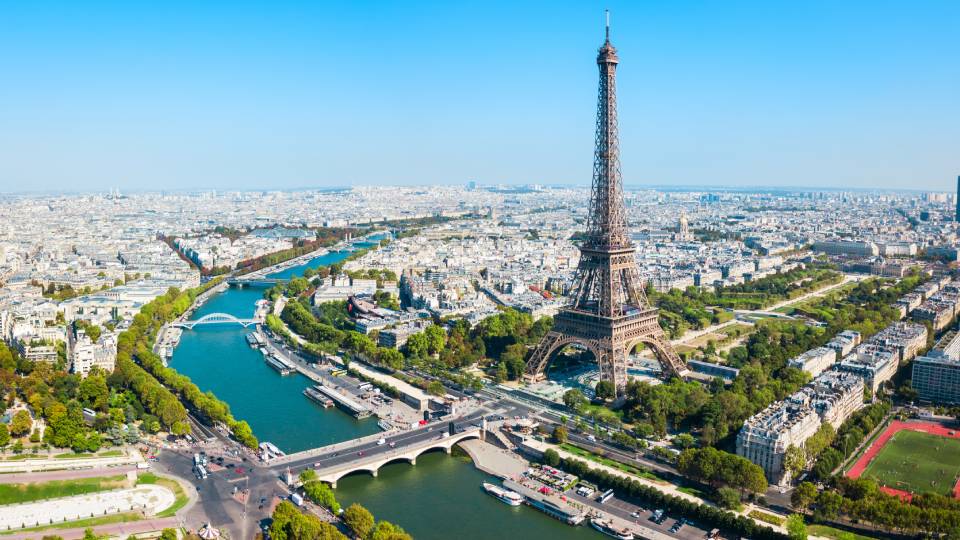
917,462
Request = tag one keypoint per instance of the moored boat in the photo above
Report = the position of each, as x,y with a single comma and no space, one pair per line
505,495
608,529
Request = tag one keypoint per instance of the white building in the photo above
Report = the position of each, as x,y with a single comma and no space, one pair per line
814,361
84,354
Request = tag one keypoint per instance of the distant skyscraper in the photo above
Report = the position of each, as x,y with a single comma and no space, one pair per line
957,217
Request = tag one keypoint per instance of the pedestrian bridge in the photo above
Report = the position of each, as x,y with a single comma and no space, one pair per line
408,453
216,318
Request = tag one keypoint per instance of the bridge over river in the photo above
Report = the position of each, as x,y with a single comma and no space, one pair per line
367,454
216,318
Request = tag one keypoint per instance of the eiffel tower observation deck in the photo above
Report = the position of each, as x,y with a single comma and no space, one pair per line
609,313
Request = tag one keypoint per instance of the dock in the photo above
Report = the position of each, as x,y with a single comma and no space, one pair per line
347,403
314,394
548,503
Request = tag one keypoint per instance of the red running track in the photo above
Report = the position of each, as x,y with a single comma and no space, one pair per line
894,427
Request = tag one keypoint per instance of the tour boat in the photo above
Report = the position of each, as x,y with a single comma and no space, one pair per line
505,495
608,529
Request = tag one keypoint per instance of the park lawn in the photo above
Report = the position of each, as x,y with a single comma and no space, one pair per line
125,517
835,534
917,462
181,496
20,457
19,493
766,518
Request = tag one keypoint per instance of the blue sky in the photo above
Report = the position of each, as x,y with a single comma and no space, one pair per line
276,95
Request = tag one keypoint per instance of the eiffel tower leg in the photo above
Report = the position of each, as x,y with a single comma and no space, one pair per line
536,369
669,359
613,368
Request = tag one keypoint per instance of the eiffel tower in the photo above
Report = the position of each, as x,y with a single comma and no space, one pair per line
609,313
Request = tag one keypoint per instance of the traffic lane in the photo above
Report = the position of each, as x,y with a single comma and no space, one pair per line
625,509
610,449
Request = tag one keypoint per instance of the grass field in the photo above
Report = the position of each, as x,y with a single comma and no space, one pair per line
19,493
173,485
125,517
824,531
917,462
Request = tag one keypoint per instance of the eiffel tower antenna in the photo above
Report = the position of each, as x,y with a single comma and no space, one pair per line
609,313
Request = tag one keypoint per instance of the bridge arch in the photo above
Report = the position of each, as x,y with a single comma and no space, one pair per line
669,360
373,468
217,318
610,368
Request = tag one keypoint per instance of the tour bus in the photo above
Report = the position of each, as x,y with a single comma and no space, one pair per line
605,496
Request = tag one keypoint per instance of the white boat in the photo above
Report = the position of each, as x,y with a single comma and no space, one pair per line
608,529
505,495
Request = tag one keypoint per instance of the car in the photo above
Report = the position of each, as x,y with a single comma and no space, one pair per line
393,444
635,515
360,453
381,442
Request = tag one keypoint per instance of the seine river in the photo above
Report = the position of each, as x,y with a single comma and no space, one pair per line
439,498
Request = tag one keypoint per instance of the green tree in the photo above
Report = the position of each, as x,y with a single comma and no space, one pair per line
560,434
684,441
93,392
21,423
796,528
728,498
359,520
320,493
795,460
435,388
551,457
388,531
803,495
4,436
605,390
574,399
168,534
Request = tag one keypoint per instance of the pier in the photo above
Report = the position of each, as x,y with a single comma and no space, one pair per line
345,402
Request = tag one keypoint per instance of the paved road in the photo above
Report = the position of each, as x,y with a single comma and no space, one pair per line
19,478
624,509
116,530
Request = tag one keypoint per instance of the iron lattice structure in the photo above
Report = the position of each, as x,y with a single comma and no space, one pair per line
609,313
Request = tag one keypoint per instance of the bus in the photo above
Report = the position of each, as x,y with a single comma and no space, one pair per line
605,496
338,372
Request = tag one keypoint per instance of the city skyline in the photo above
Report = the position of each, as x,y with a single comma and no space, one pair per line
168,98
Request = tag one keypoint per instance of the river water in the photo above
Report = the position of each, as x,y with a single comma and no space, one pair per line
439,498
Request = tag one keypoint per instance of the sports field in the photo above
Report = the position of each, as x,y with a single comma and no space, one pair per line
917,462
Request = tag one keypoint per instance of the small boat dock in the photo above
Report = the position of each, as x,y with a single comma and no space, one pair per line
345,402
